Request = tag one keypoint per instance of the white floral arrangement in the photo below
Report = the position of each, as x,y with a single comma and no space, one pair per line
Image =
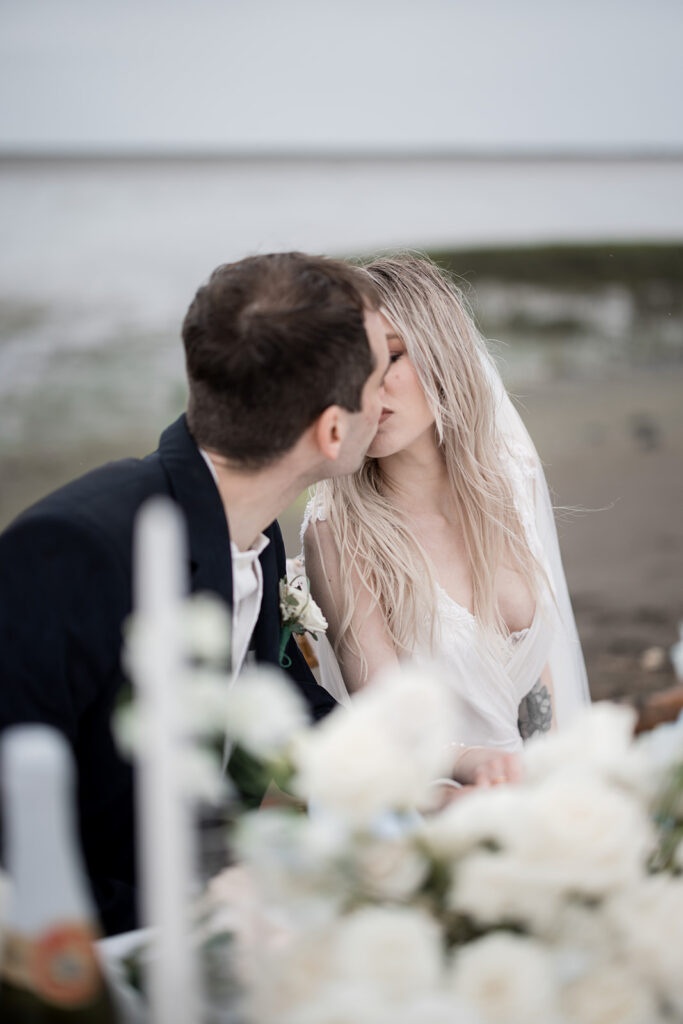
558,900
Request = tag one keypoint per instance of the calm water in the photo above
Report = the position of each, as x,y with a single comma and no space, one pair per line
100,259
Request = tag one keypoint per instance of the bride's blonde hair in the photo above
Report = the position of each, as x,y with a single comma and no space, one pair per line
372,536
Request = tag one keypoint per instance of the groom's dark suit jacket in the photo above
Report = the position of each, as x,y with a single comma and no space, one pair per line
65,590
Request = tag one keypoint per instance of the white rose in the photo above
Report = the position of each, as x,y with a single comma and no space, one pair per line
390,868
565,837
292,601
203,698
298,607
582,931
597,740
583,835
202,776
396,950
509,979
418,708
349,767
312,618
233,904
299,865
609,994
288,978
379,753
486,816
201,771
207,625
654,755
500,888
264,711
648,918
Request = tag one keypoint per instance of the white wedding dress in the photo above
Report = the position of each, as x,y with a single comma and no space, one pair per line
491,680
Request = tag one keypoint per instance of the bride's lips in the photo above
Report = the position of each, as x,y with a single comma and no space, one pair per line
384,414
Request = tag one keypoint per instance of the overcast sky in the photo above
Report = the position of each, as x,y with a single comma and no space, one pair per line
177,74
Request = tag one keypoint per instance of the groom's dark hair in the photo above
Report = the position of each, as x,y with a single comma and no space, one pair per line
270,343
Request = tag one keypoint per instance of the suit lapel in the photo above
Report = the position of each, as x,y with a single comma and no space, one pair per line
193,488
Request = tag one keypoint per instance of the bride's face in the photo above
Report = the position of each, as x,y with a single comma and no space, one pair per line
406,416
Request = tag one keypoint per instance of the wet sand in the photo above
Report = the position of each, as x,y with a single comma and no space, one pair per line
613,448
613,452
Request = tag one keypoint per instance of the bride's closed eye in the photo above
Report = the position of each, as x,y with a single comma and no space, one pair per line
393,356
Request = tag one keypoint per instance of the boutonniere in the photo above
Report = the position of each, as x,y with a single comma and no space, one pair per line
298,613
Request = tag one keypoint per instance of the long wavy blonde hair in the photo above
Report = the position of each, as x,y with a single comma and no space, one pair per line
372,536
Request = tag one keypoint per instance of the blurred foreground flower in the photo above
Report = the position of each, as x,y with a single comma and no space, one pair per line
514,904
558,900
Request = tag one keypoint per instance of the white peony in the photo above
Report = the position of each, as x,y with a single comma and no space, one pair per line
300,865
583,836
203,697
288,978
396,950
487,816
233,905
562,839
201,771
648,919
509,979
349,766
391,869
609,994
653,756
264,711
202,775
207,625
502,888
381,752
597,740
583,931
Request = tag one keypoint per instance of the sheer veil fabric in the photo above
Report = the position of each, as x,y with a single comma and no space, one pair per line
491,680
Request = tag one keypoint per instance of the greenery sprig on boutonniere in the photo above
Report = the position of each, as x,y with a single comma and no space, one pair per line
299,613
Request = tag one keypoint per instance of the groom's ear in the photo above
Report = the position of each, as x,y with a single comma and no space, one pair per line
329,431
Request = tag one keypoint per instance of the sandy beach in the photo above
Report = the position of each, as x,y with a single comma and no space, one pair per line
613,451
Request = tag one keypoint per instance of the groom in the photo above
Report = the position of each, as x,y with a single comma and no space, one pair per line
285,358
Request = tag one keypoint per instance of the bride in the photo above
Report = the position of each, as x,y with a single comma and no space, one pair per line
442,547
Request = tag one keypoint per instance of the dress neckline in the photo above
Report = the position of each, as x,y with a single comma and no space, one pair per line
512,638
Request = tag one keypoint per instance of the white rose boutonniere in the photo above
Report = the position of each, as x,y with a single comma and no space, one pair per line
298,612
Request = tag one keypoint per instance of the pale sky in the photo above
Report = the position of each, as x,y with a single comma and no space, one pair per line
415,74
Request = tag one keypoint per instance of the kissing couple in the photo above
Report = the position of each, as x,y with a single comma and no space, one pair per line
430,533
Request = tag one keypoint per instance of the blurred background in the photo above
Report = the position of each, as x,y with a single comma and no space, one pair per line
535,148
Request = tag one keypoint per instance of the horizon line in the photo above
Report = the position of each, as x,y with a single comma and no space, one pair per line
16,154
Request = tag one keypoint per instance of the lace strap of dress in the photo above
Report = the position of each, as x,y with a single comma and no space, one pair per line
314,511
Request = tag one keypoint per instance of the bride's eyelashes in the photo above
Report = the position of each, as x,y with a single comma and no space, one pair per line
393,356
